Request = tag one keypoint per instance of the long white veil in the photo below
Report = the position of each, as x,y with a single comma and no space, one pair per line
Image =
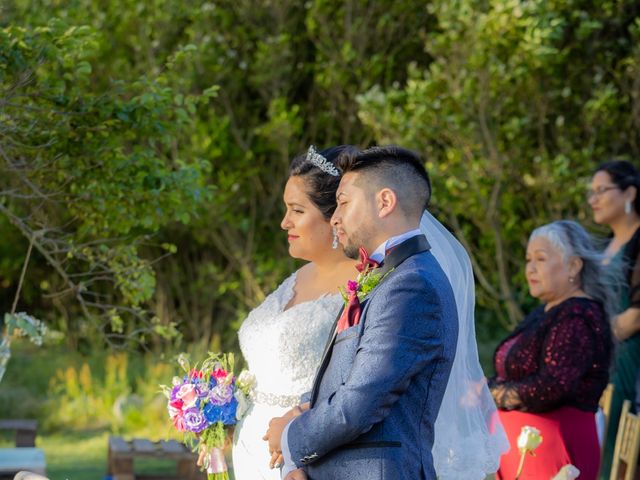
469,438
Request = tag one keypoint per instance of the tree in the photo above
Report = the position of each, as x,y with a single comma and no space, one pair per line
520,102
89,177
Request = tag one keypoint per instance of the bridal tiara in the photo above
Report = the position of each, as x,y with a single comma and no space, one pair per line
322,163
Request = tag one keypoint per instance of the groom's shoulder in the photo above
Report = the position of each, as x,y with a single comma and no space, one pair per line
423,264
420,270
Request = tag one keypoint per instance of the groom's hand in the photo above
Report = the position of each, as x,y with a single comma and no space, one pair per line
296,475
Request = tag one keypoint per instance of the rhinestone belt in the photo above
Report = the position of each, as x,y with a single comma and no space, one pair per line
274,400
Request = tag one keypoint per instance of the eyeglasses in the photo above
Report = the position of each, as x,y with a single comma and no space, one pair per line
600,190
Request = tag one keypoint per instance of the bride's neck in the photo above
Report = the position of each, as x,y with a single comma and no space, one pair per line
326,265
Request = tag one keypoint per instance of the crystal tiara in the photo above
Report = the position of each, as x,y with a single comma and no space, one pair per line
322,163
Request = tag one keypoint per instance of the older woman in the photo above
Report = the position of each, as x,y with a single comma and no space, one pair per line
551,371
615,202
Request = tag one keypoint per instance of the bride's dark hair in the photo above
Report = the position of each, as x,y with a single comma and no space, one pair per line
321,186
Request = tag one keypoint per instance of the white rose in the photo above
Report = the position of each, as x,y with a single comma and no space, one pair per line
529,439
246,380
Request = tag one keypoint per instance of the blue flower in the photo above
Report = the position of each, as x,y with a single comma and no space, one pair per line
221,413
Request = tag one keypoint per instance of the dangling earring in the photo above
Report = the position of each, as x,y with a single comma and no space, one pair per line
627,207
334,244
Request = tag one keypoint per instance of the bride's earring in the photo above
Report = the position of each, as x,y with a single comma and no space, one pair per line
334,244
627,207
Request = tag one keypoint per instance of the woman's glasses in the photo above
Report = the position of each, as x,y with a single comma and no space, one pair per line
600,190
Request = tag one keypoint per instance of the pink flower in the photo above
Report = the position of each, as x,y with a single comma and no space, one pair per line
175,408
188,395
219,374
178,422
352,286
195,373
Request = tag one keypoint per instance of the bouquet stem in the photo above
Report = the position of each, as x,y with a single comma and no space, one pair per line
216,465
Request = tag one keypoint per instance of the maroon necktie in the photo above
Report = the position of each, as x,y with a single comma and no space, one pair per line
351,313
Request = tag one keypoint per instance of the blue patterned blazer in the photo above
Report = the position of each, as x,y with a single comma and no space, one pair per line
379,387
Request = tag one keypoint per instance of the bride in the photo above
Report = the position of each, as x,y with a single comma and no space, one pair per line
283,339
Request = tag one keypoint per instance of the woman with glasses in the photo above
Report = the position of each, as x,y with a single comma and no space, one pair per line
615,200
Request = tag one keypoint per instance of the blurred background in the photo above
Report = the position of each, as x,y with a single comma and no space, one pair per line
144,146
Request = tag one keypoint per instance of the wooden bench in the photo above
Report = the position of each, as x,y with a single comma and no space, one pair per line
13,460
122,454
25,431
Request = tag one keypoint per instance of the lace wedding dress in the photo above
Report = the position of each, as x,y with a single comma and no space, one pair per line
283,349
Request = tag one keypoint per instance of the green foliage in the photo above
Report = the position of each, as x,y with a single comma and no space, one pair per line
164,130
22,325
285,75
90,174
109,395
519,104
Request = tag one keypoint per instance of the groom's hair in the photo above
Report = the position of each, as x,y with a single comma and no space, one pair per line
393,167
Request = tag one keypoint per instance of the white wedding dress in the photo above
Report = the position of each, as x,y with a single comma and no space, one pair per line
283,349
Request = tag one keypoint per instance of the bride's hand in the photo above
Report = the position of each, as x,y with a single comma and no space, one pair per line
277,460
296,411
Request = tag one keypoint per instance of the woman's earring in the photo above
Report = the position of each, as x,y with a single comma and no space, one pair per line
334,244
571,279
627,207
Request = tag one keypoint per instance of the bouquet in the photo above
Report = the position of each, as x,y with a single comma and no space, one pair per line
204,403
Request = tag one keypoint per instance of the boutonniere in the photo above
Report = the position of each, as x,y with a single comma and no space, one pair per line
366,281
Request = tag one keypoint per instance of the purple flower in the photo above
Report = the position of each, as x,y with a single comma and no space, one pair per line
174,392
221,394
352,286
202,389
194,420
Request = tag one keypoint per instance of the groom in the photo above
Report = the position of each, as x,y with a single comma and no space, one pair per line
379,387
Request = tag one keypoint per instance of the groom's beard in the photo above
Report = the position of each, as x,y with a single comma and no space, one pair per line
352,251
355,241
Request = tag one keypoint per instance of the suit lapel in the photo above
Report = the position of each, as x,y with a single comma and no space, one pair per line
403,251
325,358
398,255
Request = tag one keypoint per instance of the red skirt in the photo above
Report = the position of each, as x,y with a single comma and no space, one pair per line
568,436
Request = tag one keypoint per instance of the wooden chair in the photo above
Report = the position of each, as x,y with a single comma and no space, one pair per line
605,405
627,445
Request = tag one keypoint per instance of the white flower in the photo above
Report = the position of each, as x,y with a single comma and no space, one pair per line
246,381
529,439
243,404
568,472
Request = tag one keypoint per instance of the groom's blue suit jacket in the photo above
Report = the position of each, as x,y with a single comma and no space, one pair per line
379,387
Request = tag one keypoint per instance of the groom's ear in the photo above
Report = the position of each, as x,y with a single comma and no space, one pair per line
386,201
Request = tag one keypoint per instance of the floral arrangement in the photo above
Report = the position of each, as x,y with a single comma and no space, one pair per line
204,403
366,281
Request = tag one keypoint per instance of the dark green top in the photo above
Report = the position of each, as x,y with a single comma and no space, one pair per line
627,354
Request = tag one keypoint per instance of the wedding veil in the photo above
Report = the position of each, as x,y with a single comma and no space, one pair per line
469,437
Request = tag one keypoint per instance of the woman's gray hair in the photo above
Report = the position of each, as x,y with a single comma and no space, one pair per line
573,241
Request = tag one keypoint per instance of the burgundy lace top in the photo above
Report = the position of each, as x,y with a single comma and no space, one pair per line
556,358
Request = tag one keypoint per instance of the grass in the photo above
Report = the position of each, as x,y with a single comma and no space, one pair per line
77,449
80,453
